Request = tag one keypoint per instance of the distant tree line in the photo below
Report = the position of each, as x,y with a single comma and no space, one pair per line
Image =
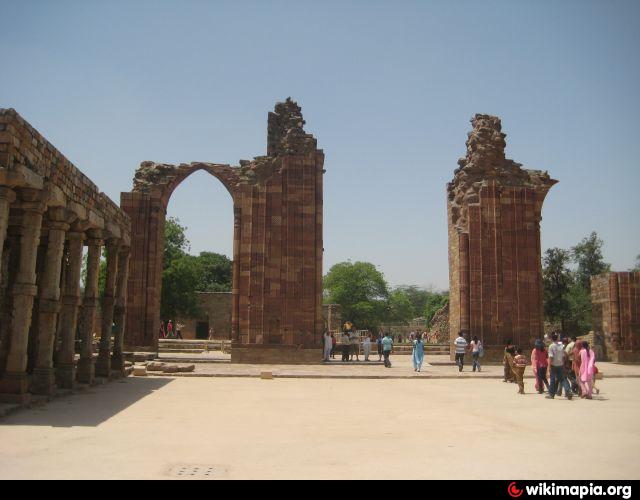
368,301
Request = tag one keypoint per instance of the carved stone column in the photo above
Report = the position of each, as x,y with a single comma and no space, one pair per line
103,365
86,365
120,310
14,385
43,381
68,322
7,197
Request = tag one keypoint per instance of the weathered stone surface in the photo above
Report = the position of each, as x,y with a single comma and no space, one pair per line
494,212
615,301
139,371
47,207
277,261
155,366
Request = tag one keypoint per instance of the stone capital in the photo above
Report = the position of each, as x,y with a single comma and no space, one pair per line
7,194
74,235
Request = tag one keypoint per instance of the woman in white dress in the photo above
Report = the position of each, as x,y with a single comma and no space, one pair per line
366,346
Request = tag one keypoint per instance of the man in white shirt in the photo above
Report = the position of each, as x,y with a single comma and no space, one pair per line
461,347
556,366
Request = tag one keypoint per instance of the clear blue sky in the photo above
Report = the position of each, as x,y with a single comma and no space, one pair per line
387,88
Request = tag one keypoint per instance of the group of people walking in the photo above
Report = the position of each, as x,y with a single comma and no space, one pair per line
169,332
568,364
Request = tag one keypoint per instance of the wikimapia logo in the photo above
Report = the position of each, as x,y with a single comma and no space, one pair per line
581,491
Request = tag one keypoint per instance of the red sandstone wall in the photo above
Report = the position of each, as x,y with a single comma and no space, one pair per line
616,312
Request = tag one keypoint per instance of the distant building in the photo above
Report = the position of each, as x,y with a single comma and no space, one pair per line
214,312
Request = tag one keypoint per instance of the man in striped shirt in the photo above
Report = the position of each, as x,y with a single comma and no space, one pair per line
461,348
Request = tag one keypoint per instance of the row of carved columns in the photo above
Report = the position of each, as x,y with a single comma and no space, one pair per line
41,250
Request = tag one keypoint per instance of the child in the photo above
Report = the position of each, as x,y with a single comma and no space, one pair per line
519,364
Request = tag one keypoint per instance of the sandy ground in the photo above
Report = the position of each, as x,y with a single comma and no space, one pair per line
294,428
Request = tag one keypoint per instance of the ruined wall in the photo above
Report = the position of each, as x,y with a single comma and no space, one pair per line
494,210
277,261
28,160
615,299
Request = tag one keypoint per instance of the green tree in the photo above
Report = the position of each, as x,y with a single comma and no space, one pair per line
176,244
588,256
179,282
183,275
400,307
637,266
435,302
579,302
361,291
216,272
557,279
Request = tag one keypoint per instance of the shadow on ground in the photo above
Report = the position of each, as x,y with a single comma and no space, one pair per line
90,408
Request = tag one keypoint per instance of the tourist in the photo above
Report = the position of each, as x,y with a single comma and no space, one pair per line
346,347
387,349
587,370
476,350
328,346
355,346
519,365
569,363
366,346
507,361
575,365
179,334
540,365
418,353
379,345
212,333
556,362
170,330
163,335
461,347
334,342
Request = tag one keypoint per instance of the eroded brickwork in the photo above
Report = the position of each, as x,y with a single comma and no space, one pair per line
277,261
494,212
615,301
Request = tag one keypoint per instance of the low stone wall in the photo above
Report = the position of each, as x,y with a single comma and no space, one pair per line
274,355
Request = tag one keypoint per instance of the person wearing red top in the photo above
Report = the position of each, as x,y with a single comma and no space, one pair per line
540,364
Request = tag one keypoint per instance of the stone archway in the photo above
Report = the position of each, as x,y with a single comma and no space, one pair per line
277,255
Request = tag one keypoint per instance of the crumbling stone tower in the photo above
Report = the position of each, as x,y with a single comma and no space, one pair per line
277,256
494,212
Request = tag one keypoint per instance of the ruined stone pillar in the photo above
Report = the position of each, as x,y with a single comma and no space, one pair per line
86,365
14,385
103,365
7,197
68,321
465,323
43,381
120,310
494,212
235,287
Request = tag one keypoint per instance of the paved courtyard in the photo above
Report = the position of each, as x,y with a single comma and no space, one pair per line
324,428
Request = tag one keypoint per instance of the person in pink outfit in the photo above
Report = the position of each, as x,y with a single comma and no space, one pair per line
540,365
587,370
